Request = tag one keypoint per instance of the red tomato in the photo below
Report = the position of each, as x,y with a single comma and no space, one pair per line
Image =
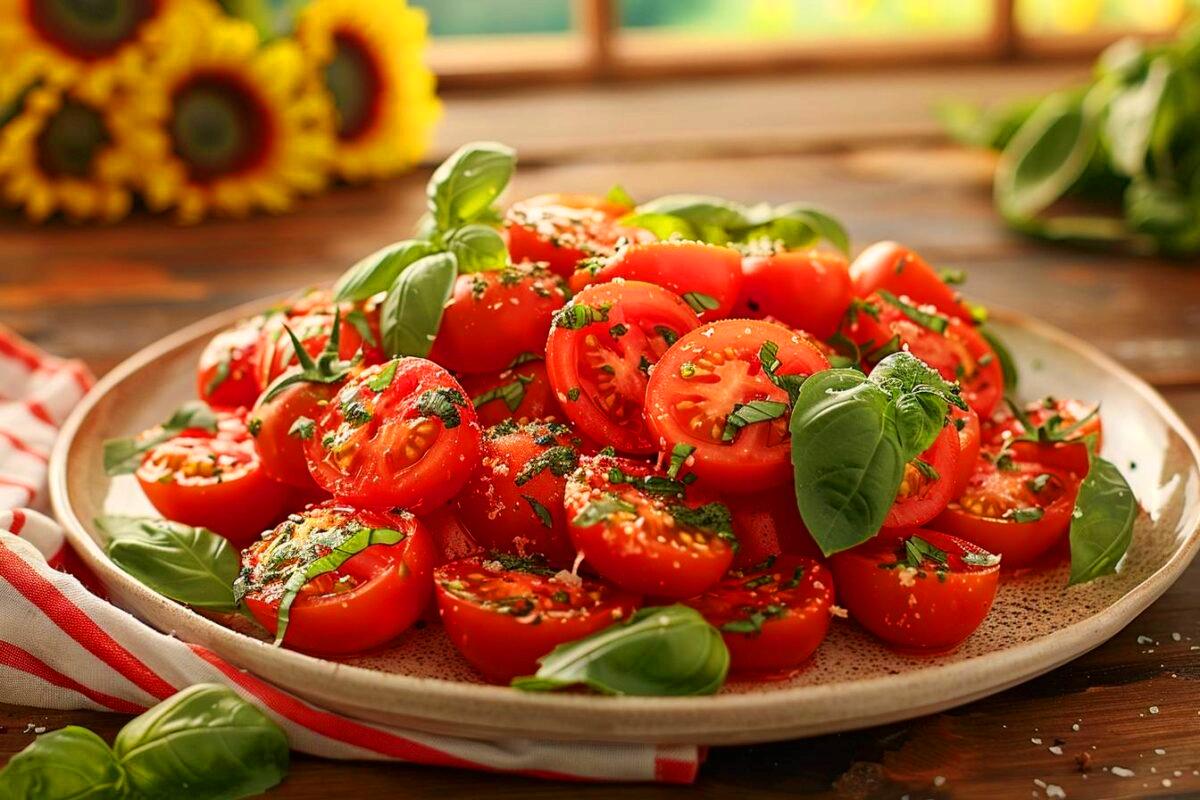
522,393
809,290
708,375
892,266
768,524
503,614
600,353
493,317
451,539
370,599
772,616
513,502
707,276
916,588
564,229
1017,509
277,354
928,483
227,376
967,423
213,481
1046,421
646,541
400,435
281,426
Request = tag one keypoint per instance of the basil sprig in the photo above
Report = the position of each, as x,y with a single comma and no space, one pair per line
1102,523
659,651
852,436
203,743
123,456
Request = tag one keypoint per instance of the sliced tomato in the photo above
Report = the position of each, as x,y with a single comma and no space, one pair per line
1015,509
712,374
503,613
521,393
600,353
772,616
916,588
969,442
564,229
494,317
633,528
1051,431
367,601
213,481
808,290
399,435
928,483
708,277
282,424
227,376
768,524
895,268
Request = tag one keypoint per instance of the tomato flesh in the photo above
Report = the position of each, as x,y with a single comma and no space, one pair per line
564,229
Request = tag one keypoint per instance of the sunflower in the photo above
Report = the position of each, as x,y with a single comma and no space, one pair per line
226,126
60,152
367,54
93,45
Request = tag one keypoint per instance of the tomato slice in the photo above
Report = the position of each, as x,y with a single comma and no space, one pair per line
895,268
928,483
521,393
213,481
373,597
1015,509
708,277
504,613
1051,431
399,435
563,229
227,376
916,588
600,353
808,290
768,524
711,373
281,426
969,443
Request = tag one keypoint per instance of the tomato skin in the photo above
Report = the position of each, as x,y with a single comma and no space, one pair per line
682,267
376,448
393,586
310,317
451,539
894,267
785,640
493,317
809,290
271,421
768,524
502,645
914,510
969,444
1071,455
930,613
607,406
235,353
684,405
537,400
564,229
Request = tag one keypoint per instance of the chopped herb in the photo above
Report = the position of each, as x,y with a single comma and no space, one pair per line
884,350
560,460
618,330
574,316
598,511
512,394
926,470
1024,514
573,393
219,376
751,413
1037,484
254,425
768,356
753,622
533,565
355,413
980,559
679,454
543,513
561,597
932,320
700,302
953,277
644,365
917,551
860,306
384,378
712,517
669,336
442,403
794,581
302,428
687,369
524,358
608,451
761,580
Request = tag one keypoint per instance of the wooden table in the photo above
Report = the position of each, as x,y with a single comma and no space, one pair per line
867,150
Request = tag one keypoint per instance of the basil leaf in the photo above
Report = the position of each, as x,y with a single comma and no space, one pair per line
664,651
751,413
619,196
512,394
701,302
543,513
1132,112
797,225
412,310
702,212
189,565
934,321
68,764
1008,365
204,743
463,188
920,397
664,226
123,456
1102,523
478,248
378,271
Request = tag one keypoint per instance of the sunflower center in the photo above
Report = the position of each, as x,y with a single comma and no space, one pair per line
90,29
218,127
68,144
354,81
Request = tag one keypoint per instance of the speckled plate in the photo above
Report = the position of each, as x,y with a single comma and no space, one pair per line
1036,624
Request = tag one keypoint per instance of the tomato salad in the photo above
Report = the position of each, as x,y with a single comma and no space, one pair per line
629,446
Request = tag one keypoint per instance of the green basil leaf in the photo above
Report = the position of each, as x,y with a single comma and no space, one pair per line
1132,112
1159,207
619,196
466,184
511,394
189,565
1008,365
1102,523
68,764
700,211
378,271
123,456
204,743
663,651
664,226
797,225
478,248
412,311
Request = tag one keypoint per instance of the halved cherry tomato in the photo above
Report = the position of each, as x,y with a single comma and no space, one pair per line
370,599
493,317
710,374
917,588
1053,432
768,524
213,481
969,437
600,353
400,435
451,539
564,229
892,266
808,289
1015,509
513,502
522,393
281,426
227,376
503,614
928,483
772,616
707,276
642,537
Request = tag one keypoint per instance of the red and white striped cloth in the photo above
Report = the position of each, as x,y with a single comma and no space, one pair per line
61,646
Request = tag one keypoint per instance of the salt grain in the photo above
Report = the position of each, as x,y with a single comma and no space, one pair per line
1055,749
1122,772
